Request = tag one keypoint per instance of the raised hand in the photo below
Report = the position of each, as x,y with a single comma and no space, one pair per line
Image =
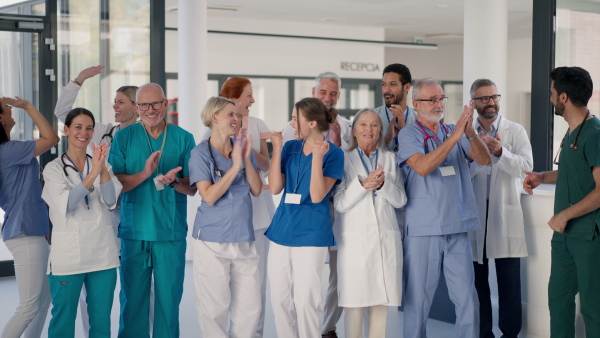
532,180
17,102
248,147
375,179
494,144
464,122
98,159
237,153
276,138
88,72
398,112
320,149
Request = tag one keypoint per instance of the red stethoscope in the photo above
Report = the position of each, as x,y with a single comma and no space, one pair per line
429,136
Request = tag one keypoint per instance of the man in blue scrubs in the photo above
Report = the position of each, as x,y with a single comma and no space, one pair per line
150,159
440,210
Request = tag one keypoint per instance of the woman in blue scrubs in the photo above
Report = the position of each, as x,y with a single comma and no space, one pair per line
306,170
25,222
81,191
225,259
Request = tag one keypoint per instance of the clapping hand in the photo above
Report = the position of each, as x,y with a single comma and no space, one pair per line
375,179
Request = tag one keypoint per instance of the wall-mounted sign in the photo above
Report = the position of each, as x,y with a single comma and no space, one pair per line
359,66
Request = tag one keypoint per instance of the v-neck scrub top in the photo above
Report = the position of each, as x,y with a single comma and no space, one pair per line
437,205
307,223
148,214
21,191
229,219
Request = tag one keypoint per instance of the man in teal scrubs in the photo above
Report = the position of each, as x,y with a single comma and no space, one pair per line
575,243
150,159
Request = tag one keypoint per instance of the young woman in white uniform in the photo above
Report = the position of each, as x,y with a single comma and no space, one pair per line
125,114
80,191
225,259
25,222
366,229
239,90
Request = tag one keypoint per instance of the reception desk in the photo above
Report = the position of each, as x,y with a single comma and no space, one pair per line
535,269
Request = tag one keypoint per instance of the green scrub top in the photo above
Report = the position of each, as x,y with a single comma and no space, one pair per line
575,180
148,214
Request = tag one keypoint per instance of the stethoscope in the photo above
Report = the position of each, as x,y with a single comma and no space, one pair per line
218,172
65,166
573,146
429,136
110,134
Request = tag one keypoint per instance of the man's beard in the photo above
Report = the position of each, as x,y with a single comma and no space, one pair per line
399,98
488,115
434,117
559,108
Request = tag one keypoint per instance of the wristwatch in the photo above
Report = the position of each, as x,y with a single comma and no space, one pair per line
174,183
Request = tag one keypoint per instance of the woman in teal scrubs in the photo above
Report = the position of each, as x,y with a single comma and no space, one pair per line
306,170
80,191
25,222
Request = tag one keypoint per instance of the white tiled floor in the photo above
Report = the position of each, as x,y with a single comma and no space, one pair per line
188,318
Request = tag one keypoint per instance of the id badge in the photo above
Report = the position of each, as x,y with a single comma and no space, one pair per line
159,186
293,198
447,171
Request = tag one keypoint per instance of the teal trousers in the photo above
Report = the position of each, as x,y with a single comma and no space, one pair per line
575,269
140,261
65,291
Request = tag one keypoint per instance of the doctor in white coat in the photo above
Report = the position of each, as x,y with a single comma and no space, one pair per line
366,229
497,190
80,191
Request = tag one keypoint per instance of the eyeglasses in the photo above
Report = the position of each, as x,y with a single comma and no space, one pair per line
486,99
442,99
155,105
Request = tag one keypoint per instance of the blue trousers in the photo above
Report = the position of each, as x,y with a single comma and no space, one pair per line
140,261
65,290
424,258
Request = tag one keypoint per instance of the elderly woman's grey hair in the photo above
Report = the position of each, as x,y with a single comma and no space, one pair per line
420,84
354,142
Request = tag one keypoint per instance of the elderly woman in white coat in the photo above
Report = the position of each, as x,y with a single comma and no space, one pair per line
366,229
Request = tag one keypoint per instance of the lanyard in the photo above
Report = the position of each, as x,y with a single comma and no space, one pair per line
387,114
365,164
87,161
298,177
162,147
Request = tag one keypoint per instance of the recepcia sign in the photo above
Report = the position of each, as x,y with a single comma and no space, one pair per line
359,66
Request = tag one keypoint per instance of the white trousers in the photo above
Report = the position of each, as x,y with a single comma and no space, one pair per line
376,319
295,279
30,254
261,243
226,280
331,312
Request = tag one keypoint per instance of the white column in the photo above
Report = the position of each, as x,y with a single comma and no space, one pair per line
193,80
485,44
193,65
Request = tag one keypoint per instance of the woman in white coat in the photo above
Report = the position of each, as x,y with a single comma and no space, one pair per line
366,229
80,191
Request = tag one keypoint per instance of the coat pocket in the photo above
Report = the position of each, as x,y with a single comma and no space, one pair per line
512,221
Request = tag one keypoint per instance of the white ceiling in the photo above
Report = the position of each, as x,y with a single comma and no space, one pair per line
434,21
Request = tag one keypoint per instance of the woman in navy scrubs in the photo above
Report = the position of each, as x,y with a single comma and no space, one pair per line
306,170
25,222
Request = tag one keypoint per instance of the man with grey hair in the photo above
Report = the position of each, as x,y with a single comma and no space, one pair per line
440,210
146,157
395,113
498,195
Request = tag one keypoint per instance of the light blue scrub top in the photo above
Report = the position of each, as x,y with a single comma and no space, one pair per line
21,192
307,223
437,205
229,219
148,214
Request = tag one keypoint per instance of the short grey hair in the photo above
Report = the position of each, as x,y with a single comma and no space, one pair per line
419,84
480,83
150,84
354,142
328,75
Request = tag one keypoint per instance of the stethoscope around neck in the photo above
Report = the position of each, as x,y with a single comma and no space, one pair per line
72,166
429,136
